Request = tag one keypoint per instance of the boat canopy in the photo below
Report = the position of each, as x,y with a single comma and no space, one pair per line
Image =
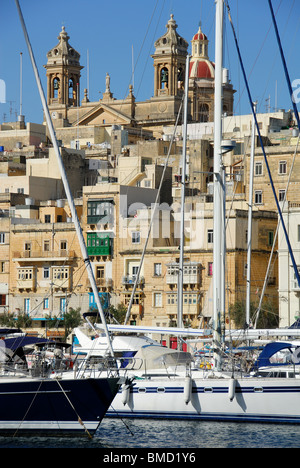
156,357
270,349
21,341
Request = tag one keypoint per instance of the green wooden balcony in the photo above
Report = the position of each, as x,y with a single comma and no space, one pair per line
99,244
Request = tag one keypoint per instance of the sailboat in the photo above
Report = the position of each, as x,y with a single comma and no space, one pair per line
34,400
167,388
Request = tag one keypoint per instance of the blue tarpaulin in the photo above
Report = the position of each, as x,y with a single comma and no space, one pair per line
269,350
20,341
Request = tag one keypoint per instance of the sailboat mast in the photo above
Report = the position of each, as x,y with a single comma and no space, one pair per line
65,181
249,233
183,181
218,232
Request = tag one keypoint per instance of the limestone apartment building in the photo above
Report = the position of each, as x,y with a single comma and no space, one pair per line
114,152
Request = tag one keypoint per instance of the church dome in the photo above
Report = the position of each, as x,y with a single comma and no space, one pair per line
200,36
200,65
202,68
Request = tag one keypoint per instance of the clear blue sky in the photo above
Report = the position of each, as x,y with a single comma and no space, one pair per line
108,31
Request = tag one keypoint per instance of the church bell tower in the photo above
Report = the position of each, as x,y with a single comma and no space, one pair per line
169,62
63,78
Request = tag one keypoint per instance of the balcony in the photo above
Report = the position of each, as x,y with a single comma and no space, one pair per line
61,277
100,211
26,278
99,244
106,283
191,273
41,255
130,280
190,303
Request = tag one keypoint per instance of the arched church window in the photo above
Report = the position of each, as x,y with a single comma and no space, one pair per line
180,77
71,89
56,85
203,113
164,78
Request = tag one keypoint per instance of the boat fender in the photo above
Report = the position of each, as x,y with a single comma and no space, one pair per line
187,389
125,393
231,388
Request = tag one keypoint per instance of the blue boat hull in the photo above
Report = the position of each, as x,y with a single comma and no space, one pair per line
54,407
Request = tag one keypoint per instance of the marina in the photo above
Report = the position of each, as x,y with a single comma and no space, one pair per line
149,434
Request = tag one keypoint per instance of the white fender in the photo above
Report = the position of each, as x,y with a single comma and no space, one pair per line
231,388
187,392
125,394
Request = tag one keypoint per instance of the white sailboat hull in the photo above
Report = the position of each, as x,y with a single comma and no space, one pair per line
274,400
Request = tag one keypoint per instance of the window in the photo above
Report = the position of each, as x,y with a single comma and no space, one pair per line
135,237
55,87
100,210
60,273
100,272
270,238
63,245
258,197
210,268
172,299
27,305
25,274
281,195
2,267
62,305
294,279
203,113
136,299
210,236
46,246
157,299
282,167
157,269
47,218
258,168
2,299
46,272
71,88
2,237
46,303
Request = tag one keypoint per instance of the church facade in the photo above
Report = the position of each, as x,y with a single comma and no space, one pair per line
169,60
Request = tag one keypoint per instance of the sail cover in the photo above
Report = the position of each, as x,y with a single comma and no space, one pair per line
156,357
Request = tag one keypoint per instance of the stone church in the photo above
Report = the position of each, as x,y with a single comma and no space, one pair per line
169,61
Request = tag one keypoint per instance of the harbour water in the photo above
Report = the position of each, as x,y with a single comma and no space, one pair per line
157,434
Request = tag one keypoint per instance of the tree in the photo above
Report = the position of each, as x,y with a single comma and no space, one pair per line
71,319
268,317
22,320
